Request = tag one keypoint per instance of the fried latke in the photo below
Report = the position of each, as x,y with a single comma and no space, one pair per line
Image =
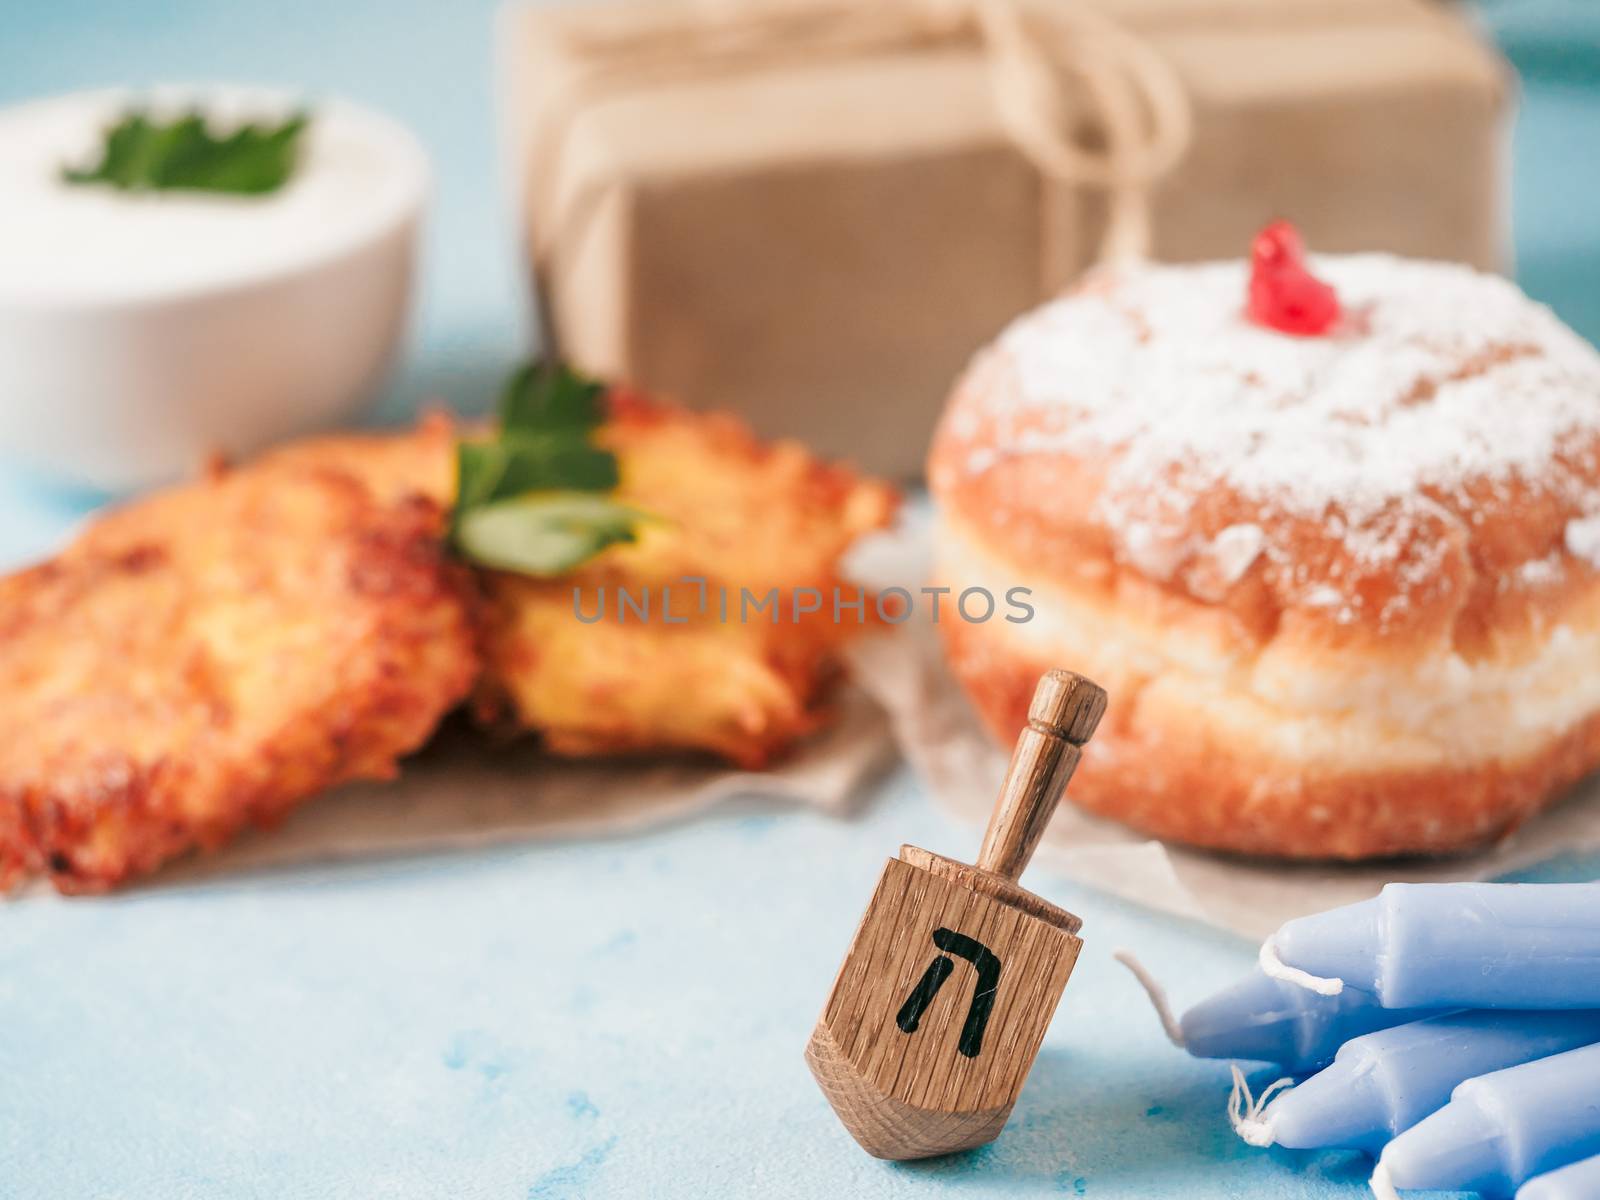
728,509
213,655
732,511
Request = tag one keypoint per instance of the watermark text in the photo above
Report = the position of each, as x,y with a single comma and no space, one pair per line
692,596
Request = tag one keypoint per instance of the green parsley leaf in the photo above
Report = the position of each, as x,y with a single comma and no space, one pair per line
511,466
141,154
542,398
531,498
545,534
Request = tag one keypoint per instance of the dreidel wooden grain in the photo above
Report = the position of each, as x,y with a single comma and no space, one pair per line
955,970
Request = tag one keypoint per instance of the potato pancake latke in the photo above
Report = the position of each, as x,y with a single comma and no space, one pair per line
210,656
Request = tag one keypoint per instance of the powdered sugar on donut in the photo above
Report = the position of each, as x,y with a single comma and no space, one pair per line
1583,539
1437,378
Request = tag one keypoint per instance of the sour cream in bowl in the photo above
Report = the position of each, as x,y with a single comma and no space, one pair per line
141,330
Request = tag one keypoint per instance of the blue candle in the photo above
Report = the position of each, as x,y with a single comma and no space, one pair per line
1500,1130
1453,945
1383,1083
1272,1021
1578,1181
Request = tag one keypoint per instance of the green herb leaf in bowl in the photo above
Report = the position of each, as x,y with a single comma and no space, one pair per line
144,154
545,534
534,497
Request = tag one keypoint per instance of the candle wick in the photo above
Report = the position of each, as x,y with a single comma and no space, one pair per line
1274,967
1156,993
1245,1111
1382,1186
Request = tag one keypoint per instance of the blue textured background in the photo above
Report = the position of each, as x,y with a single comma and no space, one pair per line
613,1018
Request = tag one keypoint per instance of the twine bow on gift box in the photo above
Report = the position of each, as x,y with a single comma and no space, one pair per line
1088,102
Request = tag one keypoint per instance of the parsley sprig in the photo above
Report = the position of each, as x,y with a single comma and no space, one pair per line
143,154
534,497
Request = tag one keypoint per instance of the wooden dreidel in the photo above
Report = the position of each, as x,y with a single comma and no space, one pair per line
955,970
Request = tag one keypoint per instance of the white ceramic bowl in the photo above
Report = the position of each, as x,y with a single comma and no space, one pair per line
140,332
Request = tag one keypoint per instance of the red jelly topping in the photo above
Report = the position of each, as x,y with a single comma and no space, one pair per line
1284,294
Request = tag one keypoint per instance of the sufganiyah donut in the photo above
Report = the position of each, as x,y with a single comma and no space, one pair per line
1343,589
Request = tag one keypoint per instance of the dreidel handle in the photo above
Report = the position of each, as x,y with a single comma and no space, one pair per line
1065,710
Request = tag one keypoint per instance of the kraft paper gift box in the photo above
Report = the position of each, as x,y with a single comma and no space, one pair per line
814,212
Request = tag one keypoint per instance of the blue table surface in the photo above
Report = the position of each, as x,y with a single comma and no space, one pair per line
603,1018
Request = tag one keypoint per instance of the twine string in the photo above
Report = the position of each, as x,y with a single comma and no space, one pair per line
1090,104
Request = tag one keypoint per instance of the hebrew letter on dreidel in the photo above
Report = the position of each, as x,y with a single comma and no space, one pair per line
988,968
912,1066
